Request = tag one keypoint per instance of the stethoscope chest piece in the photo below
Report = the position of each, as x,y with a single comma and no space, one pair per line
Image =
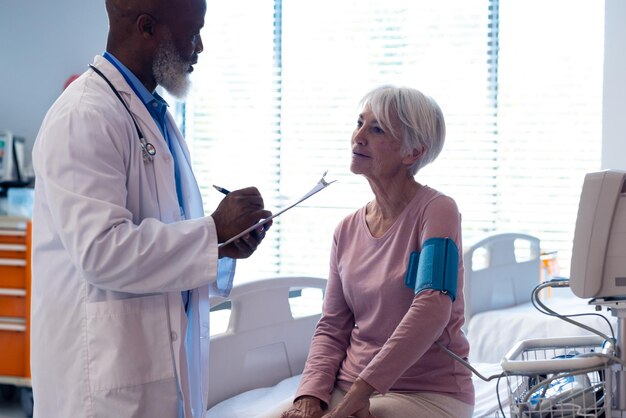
150,149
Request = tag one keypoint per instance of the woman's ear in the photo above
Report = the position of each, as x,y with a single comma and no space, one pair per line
412,157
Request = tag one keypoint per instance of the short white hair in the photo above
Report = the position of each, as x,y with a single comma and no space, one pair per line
423,124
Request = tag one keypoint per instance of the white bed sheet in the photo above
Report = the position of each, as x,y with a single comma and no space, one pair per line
257,403
492,334
268,402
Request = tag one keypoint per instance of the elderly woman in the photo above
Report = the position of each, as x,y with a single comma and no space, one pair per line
394,298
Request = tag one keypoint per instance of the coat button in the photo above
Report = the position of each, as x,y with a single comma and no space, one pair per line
174,336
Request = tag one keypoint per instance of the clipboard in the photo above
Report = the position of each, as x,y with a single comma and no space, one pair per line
321,185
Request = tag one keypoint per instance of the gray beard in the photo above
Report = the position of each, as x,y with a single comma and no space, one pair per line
170,71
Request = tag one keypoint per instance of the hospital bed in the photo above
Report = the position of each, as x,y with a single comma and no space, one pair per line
257,358
269,327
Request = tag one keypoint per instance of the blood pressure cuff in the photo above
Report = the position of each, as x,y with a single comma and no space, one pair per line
436,267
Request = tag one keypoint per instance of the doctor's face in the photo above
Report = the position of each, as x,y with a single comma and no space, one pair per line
178,52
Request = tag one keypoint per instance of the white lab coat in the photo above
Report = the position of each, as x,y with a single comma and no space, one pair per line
110,259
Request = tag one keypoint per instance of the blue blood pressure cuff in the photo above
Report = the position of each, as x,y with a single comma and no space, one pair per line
436,267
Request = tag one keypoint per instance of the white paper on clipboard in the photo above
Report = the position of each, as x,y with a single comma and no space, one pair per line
322,184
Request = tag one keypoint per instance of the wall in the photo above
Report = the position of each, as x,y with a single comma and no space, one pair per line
42,43
614,100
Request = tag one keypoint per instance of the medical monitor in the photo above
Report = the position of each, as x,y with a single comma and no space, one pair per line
6,154
11,159
598,268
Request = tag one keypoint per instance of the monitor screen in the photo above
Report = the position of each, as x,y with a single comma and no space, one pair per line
598,268
6,146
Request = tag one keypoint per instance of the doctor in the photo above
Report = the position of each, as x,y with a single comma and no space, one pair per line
123,256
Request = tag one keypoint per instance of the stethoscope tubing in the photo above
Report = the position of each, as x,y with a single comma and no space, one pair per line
148,150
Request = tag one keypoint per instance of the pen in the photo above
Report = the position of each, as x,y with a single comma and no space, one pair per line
221,189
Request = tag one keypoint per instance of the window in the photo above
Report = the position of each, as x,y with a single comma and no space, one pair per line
275,100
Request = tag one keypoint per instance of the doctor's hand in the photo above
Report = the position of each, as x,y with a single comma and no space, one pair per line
304,407
236,212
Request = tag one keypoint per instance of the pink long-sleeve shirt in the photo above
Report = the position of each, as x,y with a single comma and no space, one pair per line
376,328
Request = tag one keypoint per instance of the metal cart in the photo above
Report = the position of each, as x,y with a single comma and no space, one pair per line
560,377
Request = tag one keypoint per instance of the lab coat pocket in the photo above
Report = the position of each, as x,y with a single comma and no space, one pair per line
128,342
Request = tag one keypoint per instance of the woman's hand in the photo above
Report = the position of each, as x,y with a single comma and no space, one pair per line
342,410
356,403
305,407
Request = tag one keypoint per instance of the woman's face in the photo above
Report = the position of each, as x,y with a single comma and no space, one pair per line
376,153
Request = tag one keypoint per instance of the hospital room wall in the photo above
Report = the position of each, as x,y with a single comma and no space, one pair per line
43,42
614,95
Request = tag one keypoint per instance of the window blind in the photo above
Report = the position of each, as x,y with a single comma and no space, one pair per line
549,116
330,60
232,114
275,96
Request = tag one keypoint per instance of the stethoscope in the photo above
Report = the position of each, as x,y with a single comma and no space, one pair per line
148,150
